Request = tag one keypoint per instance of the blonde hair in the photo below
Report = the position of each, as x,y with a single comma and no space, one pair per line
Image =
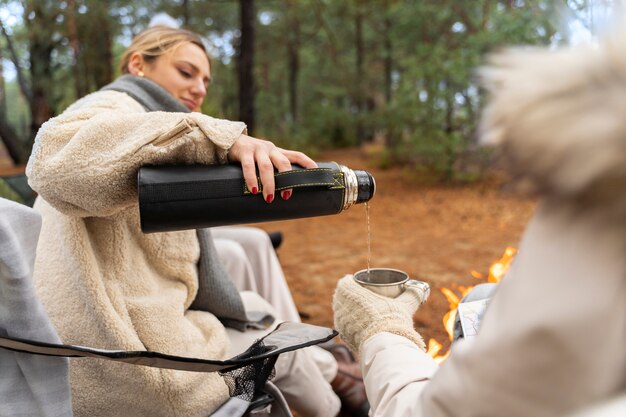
153,42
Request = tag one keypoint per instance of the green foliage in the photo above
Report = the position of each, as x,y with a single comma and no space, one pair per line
435,99
7,192
17,115
328,73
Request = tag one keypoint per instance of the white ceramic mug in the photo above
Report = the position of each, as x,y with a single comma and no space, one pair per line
389,282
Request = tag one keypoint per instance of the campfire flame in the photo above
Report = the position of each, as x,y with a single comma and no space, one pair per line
496,272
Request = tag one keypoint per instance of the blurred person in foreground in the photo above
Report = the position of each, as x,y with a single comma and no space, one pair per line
106,284
553,338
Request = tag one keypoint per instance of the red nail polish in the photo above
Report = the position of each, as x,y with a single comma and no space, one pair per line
269,198
286,195
255,190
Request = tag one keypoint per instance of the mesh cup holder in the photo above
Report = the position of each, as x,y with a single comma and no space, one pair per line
248,381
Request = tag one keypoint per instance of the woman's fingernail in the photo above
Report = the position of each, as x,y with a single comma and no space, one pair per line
286,195
255,190
269,198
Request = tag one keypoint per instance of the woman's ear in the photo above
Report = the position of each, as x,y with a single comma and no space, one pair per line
136,64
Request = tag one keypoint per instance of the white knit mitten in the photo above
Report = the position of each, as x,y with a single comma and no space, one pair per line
361,313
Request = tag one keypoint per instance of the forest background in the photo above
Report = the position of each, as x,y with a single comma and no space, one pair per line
308,74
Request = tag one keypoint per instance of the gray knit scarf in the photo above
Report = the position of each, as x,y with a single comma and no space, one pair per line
146,92
216,292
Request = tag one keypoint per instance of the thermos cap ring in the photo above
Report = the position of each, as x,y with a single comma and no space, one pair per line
360,186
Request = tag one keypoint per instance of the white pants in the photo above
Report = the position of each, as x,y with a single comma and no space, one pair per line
303,376
250,259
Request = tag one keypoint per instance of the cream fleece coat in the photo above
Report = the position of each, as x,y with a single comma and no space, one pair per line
103,282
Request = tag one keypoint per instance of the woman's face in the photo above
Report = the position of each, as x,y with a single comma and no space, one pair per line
184,72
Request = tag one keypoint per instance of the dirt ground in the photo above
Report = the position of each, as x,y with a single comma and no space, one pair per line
436,233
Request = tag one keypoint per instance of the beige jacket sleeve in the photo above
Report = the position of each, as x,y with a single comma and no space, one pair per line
395,372
85,161
552,340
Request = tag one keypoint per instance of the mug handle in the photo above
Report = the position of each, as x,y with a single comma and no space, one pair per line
421,285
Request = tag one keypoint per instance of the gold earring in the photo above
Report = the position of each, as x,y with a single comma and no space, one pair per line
140,73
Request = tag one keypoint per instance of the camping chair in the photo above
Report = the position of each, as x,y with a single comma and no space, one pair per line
34,369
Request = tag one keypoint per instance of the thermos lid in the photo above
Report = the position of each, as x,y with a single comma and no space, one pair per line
366,186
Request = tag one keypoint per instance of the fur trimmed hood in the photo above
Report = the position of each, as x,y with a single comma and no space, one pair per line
558,118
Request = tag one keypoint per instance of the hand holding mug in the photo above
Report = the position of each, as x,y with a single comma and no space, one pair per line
360,313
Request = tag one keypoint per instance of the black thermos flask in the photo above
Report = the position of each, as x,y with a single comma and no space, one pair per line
196,196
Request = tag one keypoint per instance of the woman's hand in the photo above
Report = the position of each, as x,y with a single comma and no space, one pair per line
252,152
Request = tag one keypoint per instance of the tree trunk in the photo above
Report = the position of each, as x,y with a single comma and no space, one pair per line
8,136
293,53
10,140
7,133
104,43
358,21
186,13
3,91
72,34
98,58
21,80
388,53
41,45
449,129
246,64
